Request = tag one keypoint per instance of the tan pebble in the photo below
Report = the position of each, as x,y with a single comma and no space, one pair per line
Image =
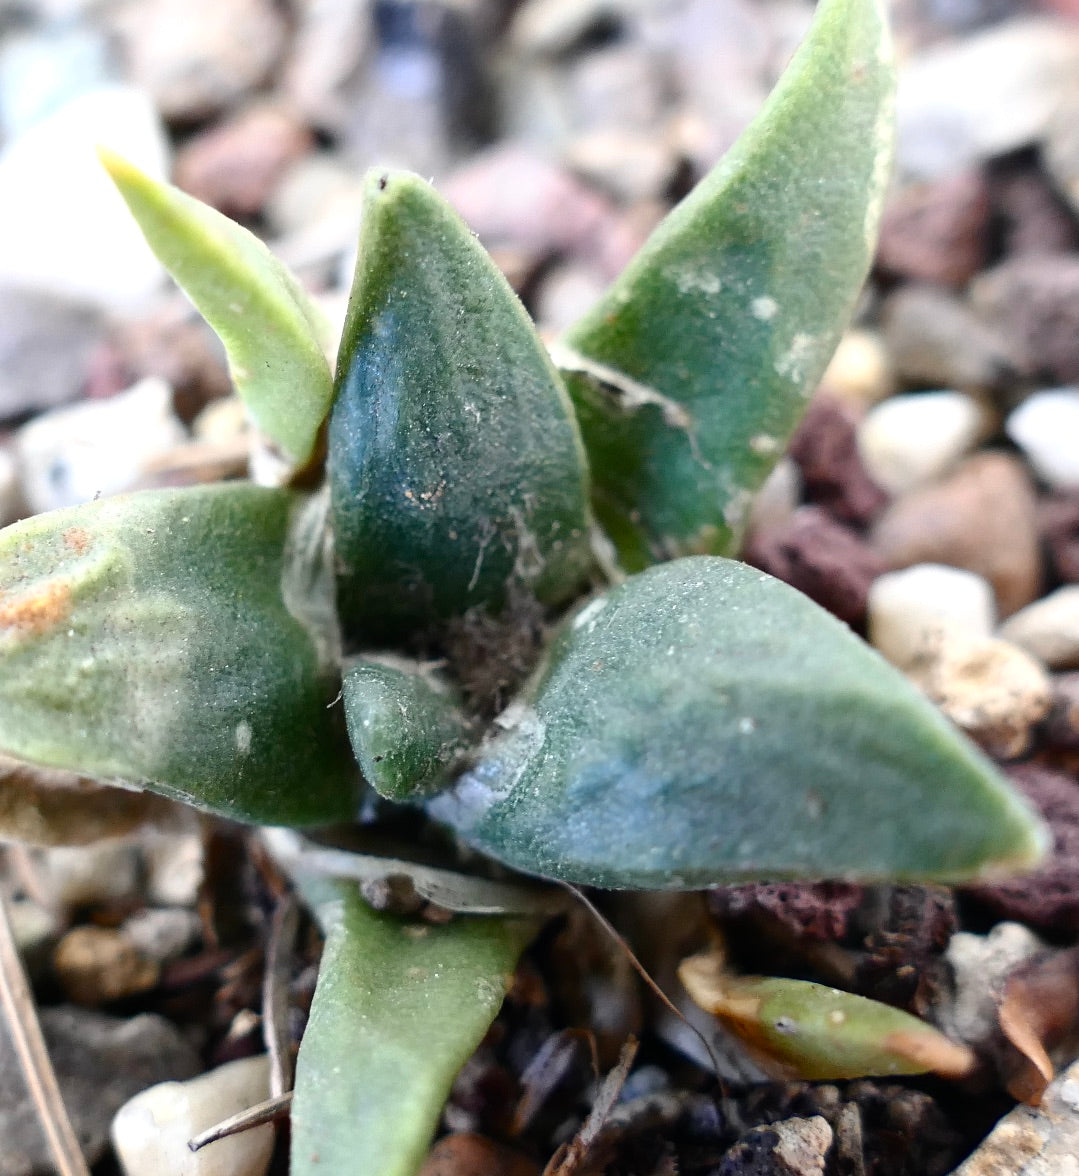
468,1154
982,517
1049,628
992,689
97,964
860,372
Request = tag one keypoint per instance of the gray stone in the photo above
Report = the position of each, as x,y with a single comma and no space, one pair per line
100,1063
1049,628
195,57
45,348
98,447
948,117
330,44
1060,152
935,339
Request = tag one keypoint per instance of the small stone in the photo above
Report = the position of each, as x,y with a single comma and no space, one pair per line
509,195
630,165
860,372
90,250
99,964
937,231
907,441
174,866
910,609
1035,301
990,688
1046,898
825,448
980,965
235,165
468,1154
99,447
982,517
948,118
10,495
1062,726
1031,217
162,934
196,57
777,499
1033,1141
937,340
330,43
100,1062
566,292
1049,628
35,930
1061,149
820,557
46,344
1058,517
791,1147
150,1132
1046,428
621,86
89,875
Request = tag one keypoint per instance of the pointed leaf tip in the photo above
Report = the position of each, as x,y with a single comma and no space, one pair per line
692,371
704,723
456,468
274,334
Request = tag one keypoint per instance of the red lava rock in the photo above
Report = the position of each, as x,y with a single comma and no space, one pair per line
1031,216
826,451
1048,898
510,196
809,910
936,232
468,1154
1058,517
1035,300
820,557
236,164
983,517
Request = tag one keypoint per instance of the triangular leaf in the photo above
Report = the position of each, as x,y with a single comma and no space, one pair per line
274,335
181,640
399,1008
703,723
692,371
456,468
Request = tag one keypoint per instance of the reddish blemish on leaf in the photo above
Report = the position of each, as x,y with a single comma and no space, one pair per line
36,611
77,539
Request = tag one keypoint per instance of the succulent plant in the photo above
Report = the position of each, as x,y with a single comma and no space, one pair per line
514,602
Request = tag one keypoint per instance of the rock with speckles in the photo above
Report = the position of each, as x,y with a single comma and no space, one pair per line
1034,1141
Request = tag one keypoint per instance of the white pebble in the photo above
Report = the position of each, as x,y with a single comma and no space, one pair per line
909,440
64,228
150,1132
98,447
777,499
908,610
1049,628
174,866
1046,428
84,875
